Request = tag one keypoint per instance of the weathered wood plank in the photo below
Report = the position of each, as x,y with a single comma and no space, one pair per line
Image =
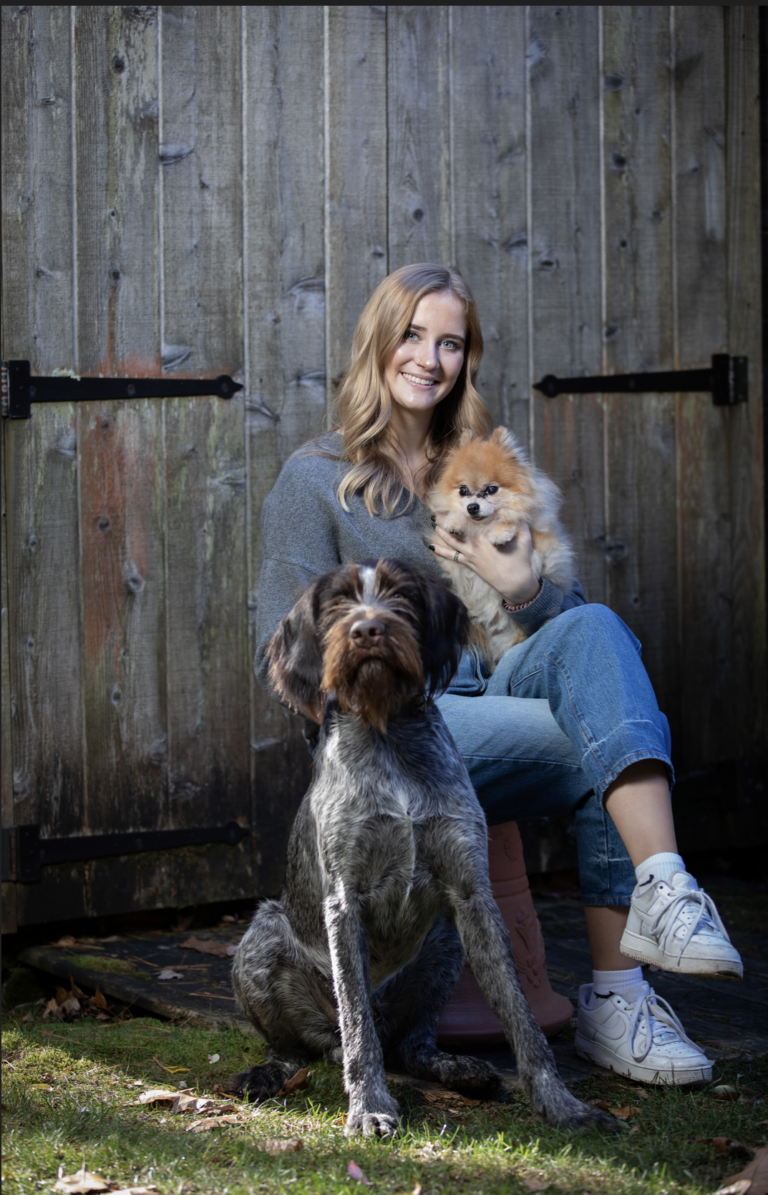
642,583
488,195
418,142
204,454
746,447
703,431
355,171
564,248
285,286
40,480
119,443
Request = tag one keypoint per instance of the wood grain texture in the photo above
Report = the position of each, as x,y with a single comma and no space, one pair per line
488,196
705,517
418,134
355,171
564,247
119,444
286,400
40,479
744,323
204,447
642,582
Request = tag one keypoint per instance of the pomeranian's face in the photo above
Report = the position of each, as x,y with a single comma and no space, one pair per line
479,480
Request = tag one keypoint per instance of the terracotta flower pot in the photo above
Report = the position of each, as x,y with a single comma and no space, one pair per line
467,1020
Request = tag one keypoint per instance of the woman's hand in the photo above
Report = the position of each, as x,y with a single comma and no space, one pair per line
506,568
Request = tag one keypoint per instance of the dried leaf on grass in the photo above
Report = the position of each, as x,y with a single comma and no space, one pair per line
171,1070
212,1122
280,1145
299,1080
536,1184
619,1113
443,1097
354,1171
209,946
724,1091
67,940
753,1178
81,1182
66,1005
168,974
724,1144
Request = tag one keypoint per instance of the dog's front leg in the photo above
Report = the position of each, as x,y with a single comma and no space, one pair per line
489,950
371,1108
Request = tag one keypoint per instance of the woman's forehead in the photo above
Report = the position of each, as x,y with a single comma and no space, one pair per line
443,308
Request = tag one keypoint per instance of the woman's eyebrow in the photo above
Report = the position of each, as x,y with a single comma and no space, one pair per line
446,336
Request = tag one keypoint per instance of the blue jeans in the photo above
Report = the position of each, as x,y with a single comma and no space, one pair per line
565,712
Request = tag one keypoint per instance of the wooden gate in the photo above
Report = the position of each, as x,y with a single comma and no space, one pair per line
194,190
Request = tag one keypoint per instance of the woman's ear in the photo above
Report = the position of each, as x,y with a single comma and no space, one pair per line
446,634
295,659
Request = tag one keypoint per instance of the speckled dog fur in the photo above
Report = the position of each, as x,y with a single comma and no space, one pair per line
387,860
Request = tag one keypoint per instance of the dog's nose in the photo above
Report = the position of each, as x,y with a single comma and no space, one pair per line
366,630
473,508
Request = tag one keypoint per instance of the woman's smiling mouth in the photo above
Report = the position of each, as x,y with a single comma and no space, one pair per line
417,381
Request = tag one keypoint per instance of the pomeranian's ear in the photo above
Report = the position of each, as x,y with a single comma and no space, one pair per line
505,439
467,436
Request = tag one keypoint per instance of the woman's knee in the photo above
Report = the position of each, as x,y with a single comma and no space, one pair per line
595,621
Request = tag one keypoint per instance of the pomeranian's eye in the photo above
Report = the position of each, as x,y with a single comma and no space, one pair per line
463,491
491,489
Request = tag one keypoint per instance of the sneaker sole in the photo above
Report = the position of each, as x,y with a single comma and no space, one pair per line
637,947
592,1051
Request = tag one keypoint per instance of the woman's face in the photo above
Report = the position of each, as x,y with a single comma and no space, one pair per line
425,365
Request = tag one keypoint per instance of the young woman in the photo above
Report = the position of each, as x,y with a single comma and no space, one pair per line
568,722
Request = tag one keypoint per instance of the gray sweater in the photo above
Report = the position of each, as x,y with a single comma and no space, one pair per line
306,532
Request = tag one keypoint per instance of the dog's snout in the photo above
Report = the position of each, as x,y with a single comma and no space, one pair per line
473,508
366,630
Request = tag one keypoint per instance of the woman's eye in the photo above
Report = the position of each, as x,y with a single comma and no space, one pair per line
410,335
463,491
451,344
491,489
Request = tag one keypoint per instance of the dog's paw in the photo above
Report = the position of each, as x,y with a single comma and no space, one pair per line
554,1103
372,1124
258,1083
502,534
458,1072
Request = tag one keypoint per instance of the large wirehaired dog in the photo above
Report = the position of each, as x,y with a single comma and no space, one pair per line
387,860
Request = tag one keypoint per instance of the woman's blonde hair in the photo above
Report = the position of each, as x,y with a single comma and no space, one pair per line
364,404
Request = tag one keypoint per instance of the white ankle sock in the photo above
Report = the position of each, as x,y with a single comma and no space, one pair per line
627,984
659,867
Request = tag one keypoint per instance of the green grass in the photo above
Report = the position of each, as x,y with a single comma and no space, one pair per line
90,1115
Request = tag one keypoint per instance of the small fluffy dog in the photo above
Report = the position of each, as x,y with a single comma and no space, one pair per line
486,488
387,860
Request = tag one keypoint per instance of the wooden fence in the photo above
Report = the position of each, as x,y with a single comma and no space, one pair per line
192,190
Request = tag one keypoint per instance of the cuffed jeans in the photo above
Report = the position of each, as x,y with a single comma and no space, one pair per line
565,713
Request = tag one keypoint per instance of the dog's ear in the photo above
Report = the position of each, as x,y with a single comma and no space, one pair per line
296,660
445,635
505,439
467,436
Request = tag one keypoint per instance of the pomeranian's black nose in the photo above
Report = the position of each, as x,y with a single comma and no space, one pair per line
366,630
473,508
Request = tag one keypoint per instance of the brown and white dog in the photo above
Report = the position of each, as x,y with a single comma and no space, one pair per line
486,488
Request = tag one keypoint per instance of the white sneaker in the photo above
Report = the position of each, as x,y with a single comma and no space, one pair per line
642,1039
674,925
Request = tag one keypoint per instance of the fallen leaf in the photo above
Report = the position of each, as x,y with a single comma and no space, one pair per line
40,1087
171,1070
281,1145
81,1182
157,1095
536,1184
624,1113
182,923
211,1122
723,1144
209,946
168,974
755,1176
214,1058
67,940
354,1171
99,1000
134,1191
298,1081
441,1096
724,1091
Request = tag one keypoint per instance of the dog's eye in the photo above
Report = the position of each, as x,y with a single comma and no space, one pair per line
491,489
463,491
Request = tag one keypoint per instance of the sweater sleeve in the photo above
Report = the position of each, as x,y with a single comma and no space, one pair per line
300,543
549,602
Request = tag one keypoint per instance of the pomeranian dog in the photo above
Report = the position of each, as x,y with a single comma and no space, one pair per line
486,488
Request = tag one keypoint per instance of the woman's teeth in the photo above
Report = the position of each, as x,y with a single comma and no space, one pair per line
424,382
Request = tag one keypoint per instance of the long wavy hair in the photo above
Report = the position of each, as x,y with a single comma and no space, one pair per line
364,404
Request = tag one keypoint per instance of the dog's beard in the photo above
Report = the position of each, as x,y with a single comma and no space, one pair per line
377,682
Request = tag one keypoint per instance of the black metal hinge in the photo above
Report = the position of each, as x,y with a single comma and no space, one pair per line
19,389
24,852
727,379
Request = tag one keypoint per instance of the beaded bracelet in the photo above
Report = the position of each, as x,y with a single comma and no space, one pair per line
522,606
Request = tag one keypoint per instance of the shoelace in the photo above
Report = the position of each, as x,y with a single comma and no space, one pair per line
656,1029
707,912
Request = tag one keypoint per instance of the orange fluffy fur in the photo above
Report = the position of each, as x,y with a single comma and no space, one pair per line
523,492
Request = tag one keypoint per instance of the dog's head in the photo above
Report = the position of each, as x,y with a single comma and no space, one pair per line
376,635
480,477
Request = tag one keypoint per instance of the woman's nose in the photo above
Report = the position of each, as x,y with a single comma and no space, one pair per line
427,356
